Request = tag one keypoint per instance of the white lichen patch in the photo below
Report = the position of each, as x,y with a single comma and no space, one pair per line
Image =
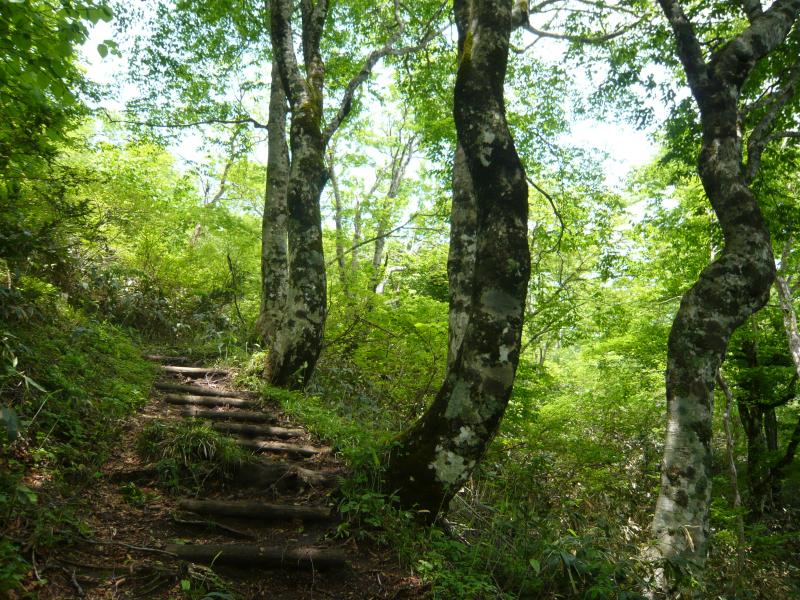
448,466
466,437
486,139
460,405
504,352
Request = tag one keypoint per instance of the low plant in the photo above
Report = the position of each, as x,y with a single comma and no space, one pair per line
190,449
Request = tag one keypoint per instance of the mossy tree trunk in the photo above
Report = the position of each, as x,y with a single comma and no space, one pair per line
297,341
461,258
434,458
274,251
728,291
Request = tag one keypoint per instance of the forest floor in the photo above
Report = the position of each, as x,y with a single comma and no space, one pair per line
138,529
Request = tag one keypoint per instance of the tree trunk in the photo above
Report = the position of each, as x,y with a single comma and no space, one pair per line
274,253
337,220
433,459
298,342
461,258
728,291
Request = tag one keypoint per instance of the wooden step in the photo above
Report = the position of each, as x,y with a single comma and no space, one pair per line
211,401
269,446
250,555
199,390
225,415
169,360
195,371
255,510
257,430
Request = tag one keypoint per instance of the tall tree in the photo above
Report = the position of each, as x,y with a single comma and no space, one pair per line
730,289
434,458
297,341
274,259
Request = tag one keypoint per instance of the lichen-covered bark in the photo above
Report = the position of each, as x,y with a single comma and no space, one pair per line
461,259
789,319
728,290
297,343
433,459
274,254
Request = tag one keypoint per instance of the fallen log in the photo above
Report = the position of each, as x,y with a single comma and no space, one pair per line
227,415
255,510
195,371
247,555
210,401
198,390
257,430
267,446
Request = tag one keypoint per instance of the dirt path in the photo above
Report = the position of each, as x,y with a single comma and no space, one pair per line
269,532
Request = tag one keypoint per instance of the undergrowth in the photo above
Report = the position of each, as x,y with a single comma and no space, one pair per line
67,382
190,452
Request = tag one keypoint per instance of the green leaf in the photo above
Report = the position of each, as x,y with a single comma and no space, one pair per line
535,565
102,49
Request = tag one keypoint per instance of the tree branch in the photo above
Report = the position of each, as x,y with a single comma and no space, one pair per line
377,237
388,49
283,46
760,136
187,124
689,50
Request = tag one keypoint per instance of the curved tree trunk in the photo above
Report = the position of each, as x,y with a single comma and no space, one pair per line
274,253
728,291
433,459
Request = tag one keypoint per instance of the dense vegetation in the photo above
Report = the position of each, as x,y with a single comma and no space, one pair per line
131,218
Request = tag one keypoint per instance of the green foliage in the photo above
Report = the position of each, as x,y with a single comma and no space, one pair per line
67,384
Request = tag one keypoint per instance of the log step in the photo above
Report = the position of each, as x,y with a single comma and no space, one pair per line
198,390
195,371
255,510
267,446
227,415
247,555
257,430
170,360
282,475
210,401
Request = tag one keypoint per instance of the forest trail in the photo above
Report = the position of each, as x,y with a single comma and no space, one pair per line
268,531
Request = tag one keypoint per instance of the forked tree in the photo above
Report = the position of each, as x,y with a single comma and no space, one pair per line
729,290
293,315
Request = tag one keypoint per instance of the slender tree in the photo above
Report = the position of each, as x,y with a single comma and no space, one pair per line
434,458
274,259
728,290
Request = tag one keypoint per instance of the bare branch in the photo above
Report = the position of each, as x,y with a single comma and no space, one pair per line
187,124
581,39
377,237
388,49
752,8
775,102
549,198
